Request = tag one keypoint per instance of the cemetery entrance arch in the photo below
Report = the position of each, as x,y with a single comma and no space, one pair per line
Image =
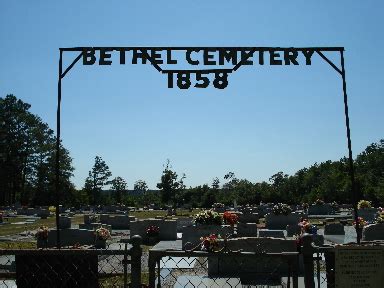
202,57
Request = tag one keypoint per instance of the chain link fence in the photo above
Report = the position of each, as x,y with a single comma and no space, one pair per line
118,265
222,269
319,262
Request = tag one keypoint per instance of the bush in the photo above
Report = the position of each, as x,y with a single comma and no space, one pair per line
364,204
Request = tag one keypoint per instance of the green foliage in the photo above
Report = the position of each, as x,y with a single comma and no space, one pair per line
140,185
119,186
170,186
28,158
215,183
96,180
328,181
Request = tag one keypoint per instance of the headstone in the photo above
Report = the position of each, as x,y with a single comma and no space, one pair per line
70,237
43,213
373,232
243,266
368,214
94,226
293,229
334,229
279,222
246,230
183,222
120,221
168,228
26,211
271,233
115,221
104,218
325,209
248,216
65,222
359,266
192,234
91,218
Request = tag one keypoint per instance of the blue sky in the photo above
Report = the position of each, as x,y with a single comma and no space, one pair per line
269,119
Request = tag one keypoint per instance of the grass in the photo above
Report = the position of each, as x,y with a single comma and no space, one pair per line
17,245
50,222
153,213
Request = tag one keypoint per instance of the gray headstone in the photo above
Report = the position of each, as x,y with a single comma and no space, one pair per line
373,232
334,229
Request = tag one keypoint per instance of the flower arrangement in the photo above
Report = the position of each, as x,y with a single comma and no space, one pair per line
208,217
218,205
102,233
307,227
360,222
152,231
42,233
319,201
364,204
281,209
210,243
230,218
380,217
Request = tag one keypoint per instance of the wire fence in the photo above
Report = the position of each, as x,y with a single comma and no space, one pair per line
117,266
127,265
320,262
222,269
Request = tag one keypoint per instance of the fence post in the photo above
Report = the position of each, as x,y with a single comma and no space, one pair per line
307,251
330,268
152,269
136,253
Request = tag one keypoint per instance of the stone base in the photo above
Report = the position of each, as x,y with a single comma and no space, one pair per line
271,233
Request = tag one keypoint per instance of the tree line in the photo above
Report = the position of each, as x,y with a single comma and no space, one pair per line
27,175
28,156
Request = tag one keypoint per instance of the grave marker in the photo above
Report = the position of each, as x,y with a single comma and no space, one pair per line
357,266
